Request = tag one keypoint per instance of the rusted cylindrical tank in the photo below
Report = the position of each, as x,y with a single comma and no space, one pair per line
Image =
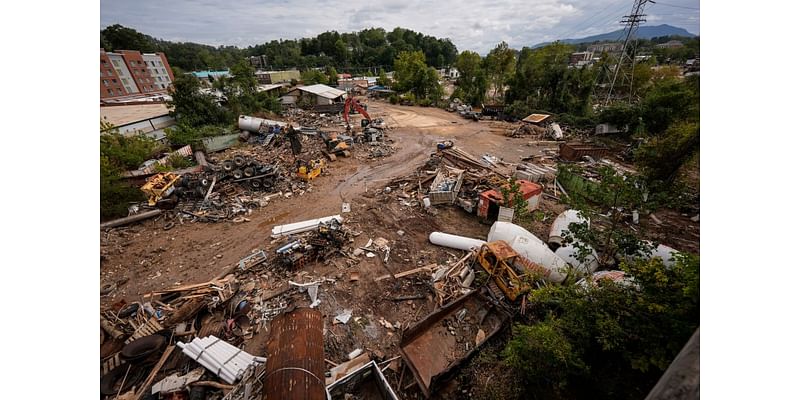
295,366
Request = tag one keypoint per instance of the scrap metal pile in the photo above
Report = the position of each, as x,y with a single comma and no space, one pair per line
211,323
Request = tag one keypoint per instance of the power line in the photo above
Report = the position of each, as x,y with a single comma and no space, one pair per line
676,6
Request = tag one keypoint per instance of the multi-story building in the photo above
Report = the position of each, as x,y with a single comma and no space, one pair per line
128,72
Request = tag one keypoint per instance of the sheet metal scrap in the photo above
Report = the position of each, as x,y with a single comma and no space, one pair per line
295,358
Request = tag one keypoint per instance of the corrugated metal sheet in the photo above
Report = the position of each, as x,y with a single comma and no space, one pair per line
295,357
323,90
218,143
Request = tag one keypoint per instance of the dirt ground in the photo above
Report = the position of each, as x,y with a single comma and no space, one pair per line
144,257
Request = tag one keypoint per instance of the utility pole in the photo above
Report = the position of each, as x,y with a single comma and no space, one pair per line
626,60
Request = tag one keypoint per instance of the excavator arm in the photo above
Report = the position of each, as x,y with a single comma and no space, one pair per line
351,102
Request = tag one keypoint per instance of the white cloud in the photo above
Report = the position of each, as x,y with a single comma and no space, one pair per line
476,25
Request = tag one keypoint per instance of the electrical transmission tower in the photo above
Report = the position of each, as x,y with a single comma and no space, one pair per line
627,60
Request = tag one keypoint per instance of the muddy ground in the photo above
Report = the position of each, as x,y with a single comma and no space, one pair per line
144,257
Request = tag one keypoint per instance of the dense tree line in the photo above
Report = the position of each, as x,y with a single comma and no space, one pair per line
357,51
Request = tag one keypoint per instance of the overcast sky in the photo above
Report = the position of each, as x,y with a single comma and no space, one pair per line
477,26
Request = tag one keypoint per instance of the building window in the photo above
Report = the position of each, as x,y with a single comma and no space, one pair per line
153,63
128,89
116,63
114,80
110,92
105,82
159,79
119,90
124,81
119,71
163,71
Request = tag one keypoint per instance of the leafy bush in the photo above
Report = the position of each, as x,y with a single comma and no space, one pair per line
128,152
662,157
115,195
608,341
394,99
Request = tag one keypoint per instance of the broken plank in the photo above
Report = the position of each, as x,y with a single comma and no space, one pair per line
146,385
428,268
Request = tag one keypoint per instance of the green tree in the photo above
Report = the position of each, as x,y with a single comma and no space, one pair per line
333,76
543,81
500,66
513,198
191,107
382,79
472,81
414,76
313,77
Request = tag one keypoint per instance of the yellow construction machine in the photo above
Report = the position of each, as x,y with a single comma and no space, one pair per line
510,271
308,170
159,185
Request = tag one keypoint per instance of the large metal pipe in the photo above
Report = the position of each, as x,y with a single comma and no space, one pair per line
561,224
253,124
129,220
454,241
569,253
295,366
530,247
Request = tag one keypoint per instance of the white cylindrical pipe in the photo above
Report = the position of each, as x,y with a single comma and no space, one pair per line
561,224
210,363
454,241
531,248
569,253
239,359
665,252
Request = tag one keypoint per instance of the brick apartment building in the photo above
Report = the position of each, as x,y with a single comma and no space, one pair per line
128,72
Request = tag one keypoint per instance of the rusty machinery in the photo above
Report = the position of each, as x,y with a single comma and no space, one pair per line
307,170
159,185
510,271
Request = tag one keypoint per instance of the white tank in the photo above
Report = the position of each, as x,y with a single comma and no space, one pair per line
561,224
249,124
530,247
569,253
666,253
253,124
454,241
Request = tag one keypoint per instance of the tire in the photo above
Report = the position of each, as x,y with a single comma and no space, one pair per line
141,348
255,184
227,165
204,182
237,174
239,161
169,225
249,171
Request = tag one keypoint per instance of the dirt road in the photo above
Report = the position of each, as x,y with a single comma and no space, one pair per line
150,258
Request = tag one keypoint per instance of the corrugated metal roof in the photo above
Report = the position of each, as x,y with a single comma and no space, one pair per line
123,115
266,88
536,118
323,90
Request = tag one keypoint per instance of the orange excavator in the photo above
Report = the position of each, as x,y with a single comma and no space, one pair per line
351,102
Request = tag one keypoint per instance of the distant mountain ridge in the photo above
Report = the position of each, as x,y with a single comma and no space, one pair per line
644,32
